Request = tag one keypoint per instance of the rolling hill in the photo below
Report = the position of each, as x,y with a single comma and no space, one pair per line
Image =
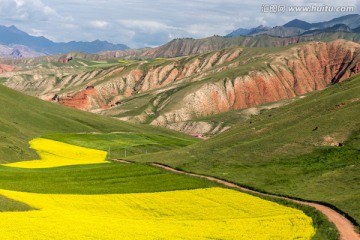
309,149
23,118
32,190
178,93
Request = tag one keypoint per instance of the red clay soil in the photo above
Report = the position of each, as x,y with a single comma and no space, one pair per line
345,227
79,100
6,68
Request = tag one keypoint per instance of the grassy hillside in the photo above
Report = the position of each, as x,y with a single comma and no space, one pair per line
308,149
119,145
23,118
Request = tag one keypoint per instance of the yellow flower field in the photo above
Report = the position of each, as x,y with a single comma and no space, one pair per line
55,154
211,213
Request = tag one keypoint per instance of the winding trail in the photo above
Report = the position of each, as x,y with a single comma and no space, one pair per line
345,227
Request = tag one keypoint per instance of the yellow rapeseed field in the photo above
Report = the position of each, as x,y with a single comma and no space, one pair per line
211,213
55,154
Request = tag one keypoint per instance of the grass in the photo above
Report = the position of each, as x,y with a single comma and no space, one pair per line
3,80
23,118
284,151
10,205
96,179
107,178
116,143
287,151
100,179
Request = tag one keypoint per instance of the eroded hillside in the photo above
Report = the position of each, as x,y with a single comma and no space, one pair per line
179,92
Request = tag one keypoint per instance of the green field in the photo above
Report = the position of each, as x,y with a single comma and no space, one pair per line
107,178
115,178
289,150
122,145
283,151
23,118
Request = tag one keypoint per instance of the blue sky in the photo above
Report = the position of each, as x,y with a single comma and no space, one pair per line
140,23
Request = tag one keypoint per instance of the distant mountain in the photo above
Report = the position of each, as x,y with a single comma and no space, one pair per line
357,30
188,46
335,28
18,51
296,23
13,36
258,29
280,31
239,32
248,32
351,20
297,27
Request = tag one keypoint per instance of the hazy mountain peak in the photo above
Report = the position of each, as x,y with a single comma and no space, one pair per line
13,36
296,27
298,24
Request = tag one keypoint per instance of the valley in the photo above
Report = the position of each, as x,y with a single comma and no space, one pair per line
253,135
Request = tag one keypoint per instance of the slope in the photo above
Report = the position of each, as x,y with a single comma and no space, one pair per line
23,118
308,149
175,92
189,46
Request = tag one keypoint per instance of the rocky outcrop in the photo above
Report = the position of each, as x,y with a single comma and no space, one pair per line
117,83
81,100
174,92
300,70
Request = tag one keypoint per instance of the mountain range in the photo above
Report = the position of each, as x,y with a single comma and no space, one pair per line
279,114
173,92
17,44
298,27
26,45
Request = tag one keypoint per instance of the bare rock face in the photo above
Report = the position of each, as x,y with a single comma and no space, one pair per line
6,68
121,83
80,100
302,69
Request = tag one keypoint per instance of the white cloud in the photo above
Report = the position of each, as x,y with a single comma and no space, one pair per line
27,10
260,21
100,24
147,23
19,3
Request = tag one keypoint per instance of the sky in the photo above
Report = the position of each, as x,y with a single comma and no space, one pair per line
149,23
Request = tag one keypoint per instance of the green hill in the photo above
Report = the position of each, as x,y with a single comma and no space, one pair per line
23,118
309,149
